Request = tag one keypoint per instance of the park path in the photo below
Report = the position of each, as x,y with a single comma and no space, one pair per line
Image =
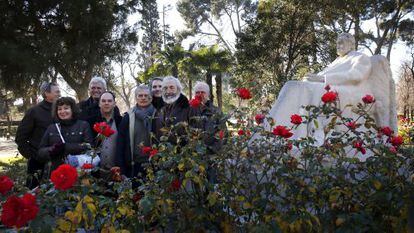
8,150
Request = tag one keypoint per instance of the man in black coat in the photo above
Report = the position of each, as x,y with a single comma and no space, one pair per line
109,114
90,107
31,130
175,110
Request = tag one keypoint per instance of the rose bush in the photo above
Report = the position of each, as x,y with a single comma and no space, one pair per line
259,181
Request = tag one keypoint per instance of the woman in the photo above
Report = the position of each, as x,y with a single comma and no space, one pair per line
67,136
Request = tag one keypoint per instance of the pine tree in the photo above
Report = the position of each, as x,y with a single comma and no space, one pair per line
151,39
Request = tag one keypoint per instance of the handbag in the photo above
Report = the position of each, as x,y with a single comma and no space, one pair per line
80,159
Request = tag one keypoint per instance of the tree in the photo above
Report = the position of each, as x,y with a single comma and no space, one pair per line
151,39
405,89
71,38
200,14
212,61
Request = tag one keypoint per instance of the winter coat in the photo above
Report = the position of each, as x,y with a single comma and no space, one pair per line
169,116
129,165
75,132
30,132
210,120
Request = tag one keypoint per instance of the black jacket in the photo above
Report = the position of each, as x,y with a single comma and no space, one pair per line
32,127
98,118
75,133
210,120
169,116
130,166
90,108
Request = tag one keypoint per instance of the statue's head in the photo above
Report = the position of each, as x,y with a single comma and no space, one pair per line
344,44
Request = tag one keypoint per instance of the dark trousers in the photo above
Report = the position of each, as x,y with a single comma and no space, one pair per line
34,173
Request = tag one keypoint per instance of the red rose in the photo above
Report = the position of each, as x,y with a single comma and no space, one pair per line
6,184
387,131
137,197
116,174
396,141
282,131
18,211
368,99
196,102
327,87
86,166
153,152
259,118
175,184
64,177
244,93
289,146
352,125
221,134
393,150
329,97
240,132
103,128
146,149
359,146
296,119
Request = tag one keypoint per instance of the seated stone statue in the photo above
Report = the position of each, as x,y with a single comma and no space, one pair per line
353,75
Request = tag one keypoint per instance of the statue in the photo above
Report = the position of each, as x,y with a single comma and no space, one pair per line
352,75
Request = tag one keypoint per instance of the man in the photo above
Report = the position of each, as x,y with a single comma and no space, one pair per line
107,114
156,91
90,107
31,130
207,117
175,110
135,133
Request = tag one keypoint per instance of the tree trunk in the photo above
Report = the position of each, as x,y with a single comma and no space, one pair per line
219,90
209,81
81,91
190,88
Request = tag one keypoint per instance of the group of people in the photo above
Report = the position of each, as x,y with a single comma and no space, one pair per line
58,127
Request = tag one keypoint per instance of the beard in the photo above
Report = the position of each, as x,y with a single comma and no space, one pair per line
170,98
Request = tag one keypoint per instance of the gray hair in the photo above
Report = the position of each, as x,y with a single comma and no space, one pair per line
98,79
349,38
46,87
202,86
143,87
154,79
172,79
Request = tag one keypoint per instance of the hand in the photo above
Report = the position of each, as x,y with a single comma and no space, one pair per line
314,78
57,149
86,146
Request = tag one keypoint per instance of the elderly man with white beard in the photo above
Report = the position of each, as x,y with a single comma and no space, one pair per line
175,110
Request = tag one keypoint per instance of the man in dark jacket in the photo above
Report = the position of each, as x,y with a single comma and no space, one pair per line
107,114
31,130
90,107
207,117
175,110
134,134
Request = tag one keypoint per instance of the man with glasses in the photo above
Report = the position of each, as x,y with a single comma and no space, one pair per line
134,134
31,129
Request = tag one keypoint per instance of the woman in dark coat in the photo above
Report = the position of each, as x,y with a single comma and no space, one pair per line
67,136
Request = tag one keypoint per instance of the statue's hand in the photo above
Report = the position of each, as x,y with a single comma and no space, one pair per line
314,78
